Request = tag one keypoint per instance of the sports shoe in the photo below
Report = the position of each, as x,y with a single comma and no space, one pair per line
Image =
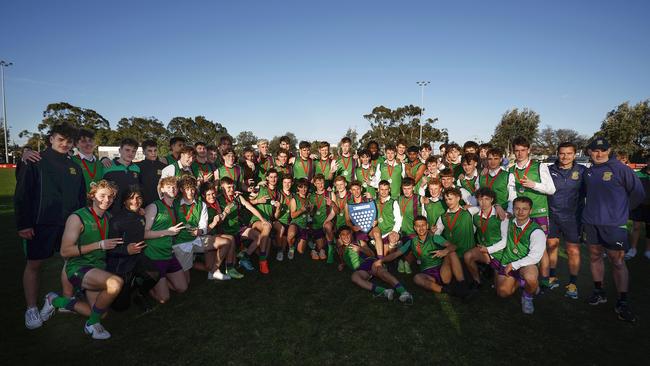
280,256
647,254
630,254
387,293
571,291
233,273
597,297
246,264
48,310
97,331
33,318
406,298
527,306
219,276
322,255
264,267
553,283
291,253
624,312
314,255
400,266
407,268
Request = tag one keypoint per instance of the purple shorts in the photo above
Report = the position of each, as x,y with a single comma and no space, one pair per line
404,238
301,234
435,273
542,222
501,269
165,266
361,236
366,265
77,278
317,233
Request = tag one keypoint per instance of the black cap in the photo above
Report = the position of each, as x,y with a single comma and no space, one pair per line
598,144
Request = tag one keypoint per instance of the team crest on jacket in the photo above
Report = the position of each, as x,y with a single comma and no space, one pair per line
135,175
607,176
575,175
159,172
73,171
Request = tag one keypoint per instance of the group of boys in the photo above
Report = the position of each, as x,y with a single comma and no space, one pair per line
133,230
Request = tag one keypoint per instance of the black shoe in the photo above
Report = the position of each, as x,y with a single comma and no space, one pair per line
142,302
624,312
597,297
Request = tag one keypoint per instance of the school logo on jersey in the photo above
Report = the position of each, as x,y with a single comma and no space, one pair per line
73,171
607,176
159,172
575,175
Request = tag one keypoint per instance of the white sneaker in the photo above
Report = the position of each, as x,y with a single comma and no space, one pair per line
527,306
33,318
630,254
97,331
647,254
387,293
220,276
406,298
290,253
48,309
279,257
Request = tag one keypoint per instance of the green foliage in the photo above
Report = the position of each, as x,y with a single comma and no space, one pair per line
515,123
35,140
197,129
387,126
353,135
79,117
142,128
628,128
243,140
548,140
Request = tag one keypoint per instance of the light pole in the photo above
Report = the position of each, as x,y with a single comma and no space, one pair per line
422,84
4,64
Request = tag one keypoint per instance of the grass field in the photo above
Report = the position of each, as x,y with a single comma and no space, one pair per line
307,313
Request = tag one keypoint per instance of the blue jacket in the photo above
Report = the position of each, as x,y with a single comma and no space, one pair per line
568,200
612,190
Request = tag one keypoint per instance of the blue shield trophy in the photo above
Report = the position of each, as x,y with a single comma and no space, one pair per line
363,214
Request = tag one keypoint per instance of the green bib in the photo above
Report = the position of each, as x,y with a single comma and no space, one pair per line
90,234
92,171
499,184
540,203
393,175
488,232
459,230
386,218
161,248
409,207
345,168
190,215
424,250
319,201
434,210
365,176
512,253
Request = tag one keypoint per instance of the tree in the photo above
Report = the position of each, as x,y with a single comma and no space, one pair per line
142,128
243,140
387,126
197,129
515,123
35,140
628,128
274,144
549,139
79,117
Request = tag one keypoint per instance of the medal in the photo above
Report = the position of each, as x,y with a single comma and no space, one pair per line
318,213
514,250
522,190
381,219
390,180
272,202
345,173
365,185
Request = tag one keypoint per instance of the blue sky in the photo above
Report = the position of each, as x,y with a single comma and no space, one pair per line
315,68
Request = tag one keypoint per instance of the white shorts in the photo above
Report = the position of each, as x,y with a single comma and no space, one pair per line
184,252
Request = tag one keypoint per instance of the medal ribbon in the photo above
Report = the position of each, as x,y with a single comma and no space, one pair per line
516,238
170,212
100,227
91,175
